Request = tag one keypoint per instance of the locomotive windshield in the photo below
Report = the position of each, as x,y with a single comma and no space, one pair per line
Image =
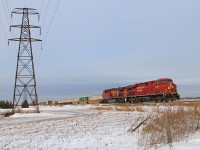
166,81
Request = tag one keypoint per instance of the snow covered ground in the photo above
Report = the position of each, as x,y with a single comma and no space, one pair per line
77,127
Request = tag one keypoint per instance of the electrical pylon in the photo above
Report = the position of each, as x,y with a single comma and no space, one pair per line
25,82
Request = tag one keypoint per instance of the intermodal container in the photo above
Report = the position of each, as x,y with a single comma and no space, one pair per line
69,100
96,97
83,98
50,102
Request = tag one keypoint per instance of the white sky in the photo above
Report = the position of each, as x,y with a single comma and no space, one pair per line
93,45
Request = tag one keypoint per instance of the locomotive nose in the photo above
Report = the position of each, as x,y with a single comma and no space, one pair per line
172,87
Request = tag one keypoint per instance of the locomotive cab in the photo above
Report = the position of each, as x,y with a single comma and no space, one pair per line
169,88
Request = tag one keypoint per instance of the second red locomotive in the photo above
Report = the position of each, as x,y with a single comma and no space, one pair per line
157,90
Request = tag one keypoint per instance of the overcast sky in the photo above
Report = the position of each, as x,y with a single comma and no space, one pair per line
98,44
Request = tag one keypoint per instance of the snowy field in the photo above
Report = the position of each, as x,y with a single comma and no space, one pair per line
78,127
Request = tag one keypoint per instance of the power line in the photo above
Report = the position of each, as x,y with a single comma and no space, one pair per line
52,20
8,7
41,7
46,13
8,4
49,25
39,57
6,40
3,30
37,53
5,12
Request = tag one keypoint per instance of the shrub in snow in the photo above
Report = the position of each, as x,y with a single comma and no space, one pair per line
25,104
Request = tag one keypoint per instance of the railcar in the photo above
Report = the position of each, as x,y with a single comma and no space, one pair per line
157,90
113,95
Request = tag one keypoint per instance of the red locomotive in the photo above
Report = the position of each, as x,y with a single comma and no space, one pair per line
158,90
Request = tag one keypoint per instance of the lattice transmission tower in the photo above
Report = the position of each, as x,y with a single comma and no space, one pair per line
25,81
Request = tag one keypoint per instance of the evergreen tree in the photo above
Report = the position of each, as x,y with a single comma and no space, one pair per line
1,104
25,104
5,104
10,105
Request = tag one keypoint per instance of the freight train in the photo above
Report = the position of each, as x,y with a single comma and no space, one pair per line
161,90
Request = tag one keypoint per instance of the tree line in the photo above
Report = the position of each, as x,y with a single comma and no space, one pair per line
5,104
8,104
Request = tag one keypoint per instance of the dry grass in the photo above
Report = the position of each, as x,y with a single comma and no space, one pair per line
124,108
102,108
171,125
139,109
95,104
121,107
187,104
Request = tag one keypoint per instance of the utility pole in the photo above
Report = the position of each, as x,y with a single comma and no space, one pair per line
25,82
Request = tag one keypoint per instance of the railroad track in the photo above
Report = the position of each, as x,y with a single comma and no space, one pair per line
152,103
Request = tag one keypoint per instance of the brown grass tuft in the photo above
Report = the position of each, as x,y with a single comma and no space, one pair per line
139,109
124,108
171,125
